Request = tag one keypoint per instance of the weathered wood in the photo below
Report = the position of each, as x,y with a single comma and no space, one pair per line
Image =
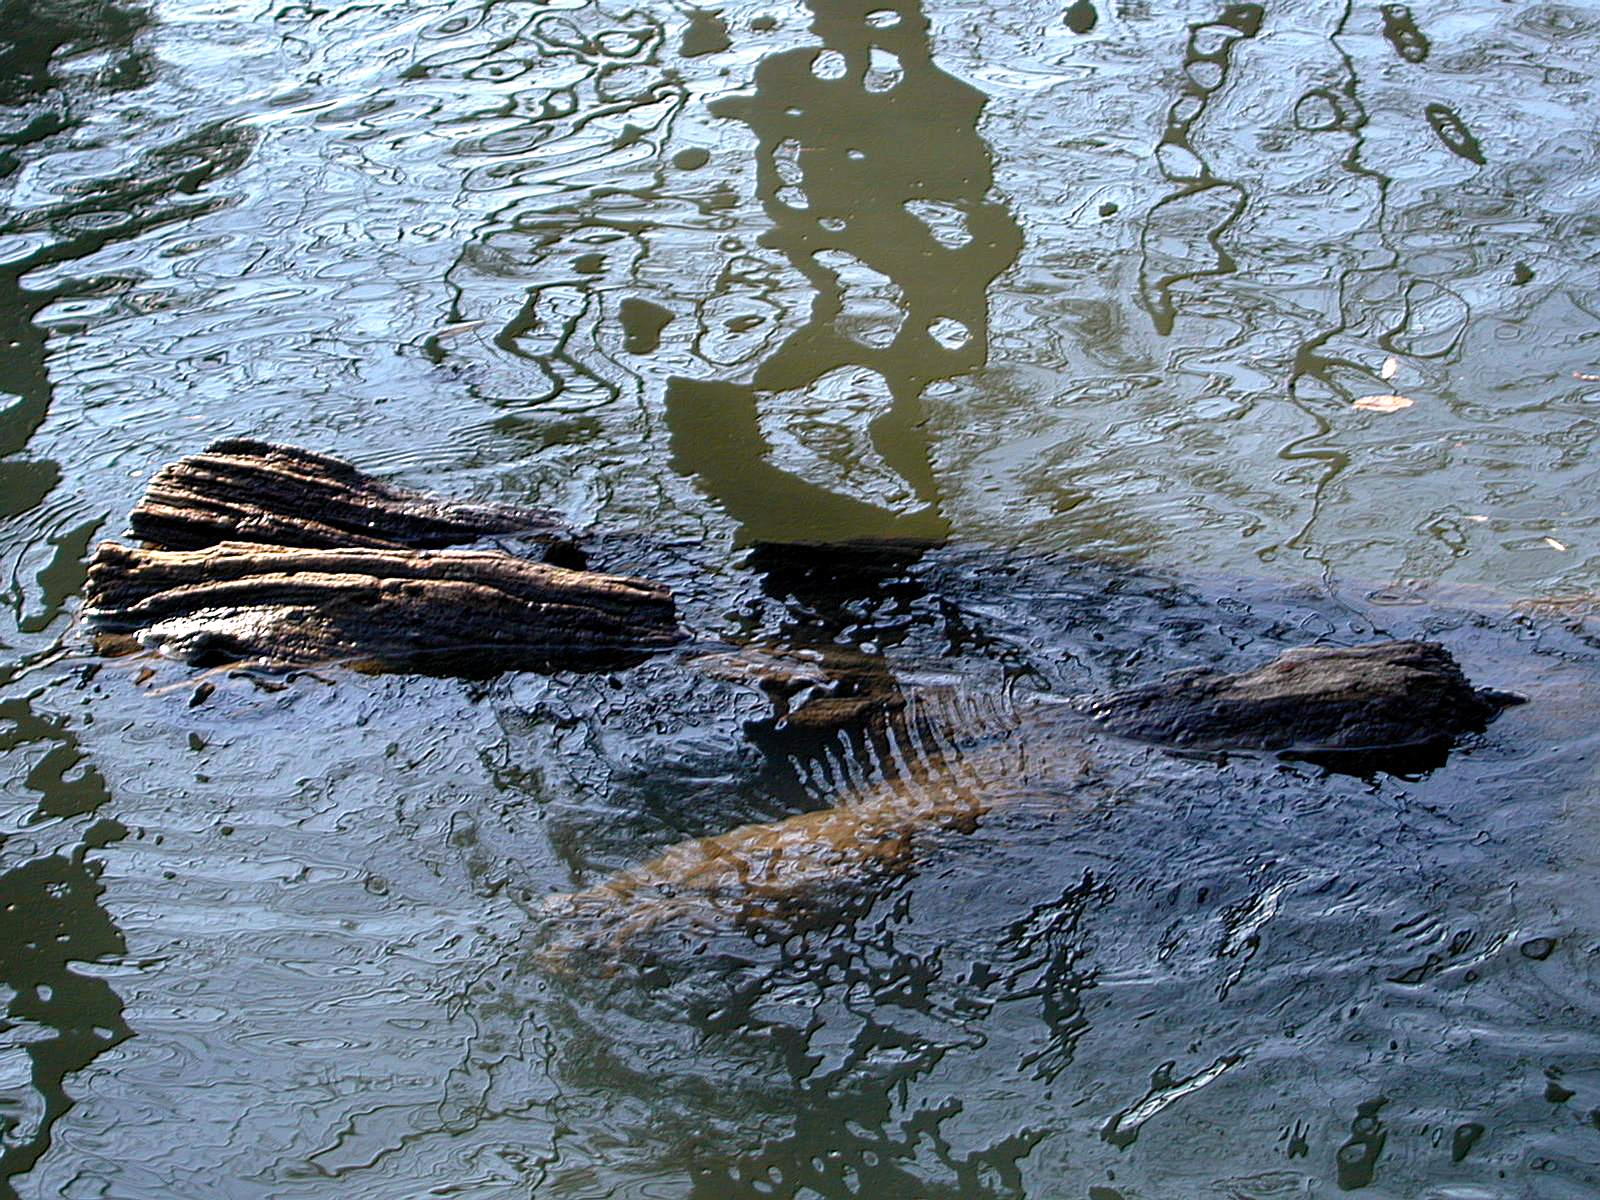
815,693
1389,696
240,490
1314,701
813,867
459,611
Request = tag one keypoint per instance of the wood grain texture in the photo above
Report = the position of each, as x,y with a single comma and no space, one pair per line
454,611
241,490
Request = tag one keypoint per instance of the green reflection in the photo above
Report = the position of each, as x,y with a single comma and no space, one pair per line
51,918
56,63
877,183
1200,198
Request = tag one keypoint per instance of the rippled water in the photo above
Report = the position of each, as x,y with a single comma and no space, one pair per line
1087,293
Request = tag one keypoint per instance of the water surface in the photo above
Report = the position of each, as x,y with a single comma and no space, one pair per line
1085,292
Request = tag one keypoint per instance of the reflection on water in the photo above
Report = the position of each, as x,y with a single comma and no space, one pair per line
165,185
37,45
1089,278
1202,203
55,64
1304,211
583,101
871,168
43,45
58,1020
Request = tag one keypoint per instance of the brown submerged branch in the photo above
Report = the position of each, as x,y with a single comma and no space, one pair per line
811,868
1388,698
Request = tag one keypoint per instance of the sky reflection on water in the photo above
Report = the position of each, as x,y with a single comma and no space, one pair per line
1089,289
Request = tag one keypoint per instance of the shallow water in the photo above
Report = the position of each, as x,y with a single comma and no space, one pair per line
1088,292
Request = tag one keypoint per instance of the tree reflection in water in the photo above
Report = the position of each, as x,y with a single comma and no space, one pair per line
877,182
56,1019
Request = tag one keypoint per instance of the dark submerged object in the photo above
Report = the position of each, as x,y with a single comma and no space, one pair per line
1319,700
274,555
1376,705
1353,707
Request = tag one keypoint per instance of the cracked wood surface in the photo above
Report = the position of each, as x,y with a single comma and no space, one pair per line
386,609
278,556
241,490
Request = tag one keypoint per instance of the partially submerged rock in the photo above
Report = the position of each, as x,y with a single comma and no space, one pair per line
241,490
458,611
1313,701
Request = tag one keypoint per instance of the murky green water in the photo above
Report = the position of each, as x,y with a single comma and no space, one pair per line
1088,291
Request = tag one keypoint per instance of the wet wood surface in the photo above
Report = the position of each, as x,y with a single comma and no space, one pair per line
276,556
241,490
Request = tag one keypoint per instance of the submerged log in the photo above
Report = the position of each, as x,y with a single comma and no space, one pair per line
814,867
240,490
794,872
1320,700
815,693
1389,696
454,611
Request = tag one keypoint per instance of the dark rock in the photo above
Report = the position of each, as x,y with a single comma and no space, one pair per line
242,490
1400,30
449,611
707,34
1081,17
1318,700
642,321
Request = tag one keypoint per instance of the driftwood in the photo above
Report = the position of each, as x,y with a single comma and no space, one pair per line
1389,696
268,553
241,490
277,556
451,610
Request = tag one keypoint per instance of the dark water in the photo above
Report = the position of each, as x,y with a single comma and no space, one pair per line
1088,291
